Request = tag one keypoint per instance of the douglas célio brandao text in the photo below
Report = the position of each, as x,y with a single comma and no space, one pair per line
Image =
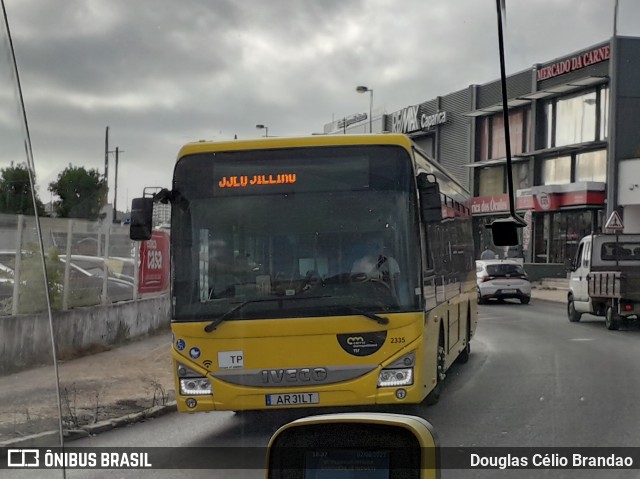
550,460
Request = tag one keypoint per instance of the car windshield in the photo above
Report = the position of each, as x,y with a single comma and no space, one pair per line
218,217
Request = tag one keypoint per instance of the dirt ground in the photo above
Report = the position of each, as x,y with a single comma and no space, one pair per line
101,386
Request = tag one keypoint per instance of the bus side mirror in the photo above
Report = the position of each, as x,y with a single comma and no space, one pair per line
365,444
141,219
505,231
430,200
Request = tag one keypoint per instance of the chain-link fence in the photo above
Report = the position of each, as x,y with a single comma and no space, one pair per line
88,263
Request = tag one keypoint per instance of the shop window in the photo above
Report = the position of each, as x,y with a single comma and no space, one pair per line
492,135
604,113
548,121
556,171
557,235
577,119
491,181
592,166
521,175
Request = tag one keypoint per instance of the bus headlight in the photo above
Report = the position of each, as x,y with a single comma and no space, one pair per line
395,377
195,387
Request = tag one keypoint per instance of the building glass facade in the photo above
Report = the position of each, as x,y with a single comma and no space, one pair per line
565,146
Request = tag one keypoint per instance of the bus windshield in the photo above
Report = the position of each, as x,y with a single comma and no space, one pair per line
295,233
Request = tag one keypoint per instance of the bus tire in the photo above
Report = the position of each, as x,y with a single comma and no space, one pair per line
434,396
572,314
611,319
463,357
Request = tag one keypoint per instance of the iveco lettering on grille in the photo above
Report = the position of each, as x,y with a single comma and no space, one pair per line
303,375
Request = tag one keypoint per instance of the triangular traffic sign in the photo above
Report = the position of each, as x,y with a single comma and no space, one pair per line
614,222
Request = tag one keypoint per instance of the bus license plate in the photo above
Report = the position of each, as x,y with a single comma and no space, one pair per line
292,399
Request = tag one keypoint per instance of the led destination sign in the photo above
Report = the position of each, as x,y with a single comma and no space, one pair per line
255,177
295,171
244,181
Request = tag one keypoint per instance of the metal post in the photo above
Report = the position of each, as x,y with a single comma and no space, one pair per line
105,270
370,111
115,189
136,267
106,156
612,161
16,268
67,267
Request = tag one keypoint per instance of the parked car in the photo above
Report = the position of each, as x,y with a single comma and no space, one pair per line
501,279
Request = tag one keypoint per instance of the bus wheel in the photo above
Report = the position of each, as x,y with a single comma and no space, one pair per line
573,315
611,319
463,358
434,396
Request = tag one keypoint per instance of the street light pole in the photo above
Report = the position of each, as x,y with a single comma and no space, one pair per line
364,89
265,128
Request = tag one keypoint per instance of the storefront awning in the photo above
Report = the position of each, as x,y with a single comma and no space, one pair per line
566,150
501,161
567,87
490,110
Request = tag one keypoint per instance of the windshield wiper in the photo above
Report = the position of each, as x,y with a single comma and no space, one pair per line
216,322
366,314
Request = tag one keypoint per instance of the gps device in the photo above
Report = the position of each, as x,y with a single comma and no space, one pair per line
354,446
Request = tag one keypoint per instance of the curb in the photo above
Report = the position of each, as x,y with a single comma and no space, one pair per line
548,300
45,439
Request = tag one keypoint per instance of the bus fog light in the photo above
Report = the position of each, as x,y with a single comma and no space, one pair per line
395,377
195,387
191,403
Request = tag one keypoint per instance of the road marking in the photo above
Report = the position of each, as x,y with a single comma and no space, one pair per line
581,339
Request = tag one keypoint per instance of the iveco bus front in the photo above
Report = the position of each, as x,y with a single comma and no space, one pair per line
313,272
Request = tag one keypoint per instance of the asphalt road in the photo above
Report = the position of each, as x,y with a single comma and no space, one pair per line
533,380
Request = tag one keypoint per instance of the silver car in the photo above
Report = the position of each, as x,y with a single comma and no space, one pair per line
501,279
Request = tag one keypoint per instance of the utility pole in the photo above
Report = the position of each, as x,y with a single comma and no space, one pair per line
106,157
115,190
106,164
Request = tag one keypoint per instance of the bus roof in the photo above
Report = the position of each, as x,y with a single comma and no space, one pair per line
295,142
315,140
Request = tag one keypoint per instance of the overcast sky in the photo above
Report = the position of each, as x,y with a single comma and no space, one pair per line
164,72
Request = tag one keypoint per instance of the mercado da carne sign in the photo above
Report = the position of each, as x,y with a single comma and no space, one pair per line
576,62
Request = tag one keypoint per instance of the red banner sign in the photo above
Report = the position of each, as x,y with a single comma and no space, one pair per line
574,63
538,201
498,204
153,269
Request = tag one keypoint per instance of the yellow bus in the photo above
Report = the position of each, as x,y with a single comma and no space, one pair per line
317,271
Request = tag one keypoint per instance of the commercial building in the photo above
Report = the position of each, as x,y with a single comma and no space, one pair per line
575,145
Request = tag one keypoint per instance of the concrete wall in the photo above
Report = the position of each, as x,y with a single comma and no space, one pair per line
25,340
538,271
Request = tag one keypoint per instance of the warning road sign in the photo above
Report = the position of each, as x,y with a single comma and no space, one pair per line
614,222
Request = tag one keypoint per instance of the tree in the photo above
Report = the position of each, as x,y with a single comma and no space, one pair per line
15,191
82,193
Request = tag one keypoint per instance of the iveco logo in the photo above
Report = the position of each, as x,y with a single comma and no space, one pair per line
355,340
303,375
